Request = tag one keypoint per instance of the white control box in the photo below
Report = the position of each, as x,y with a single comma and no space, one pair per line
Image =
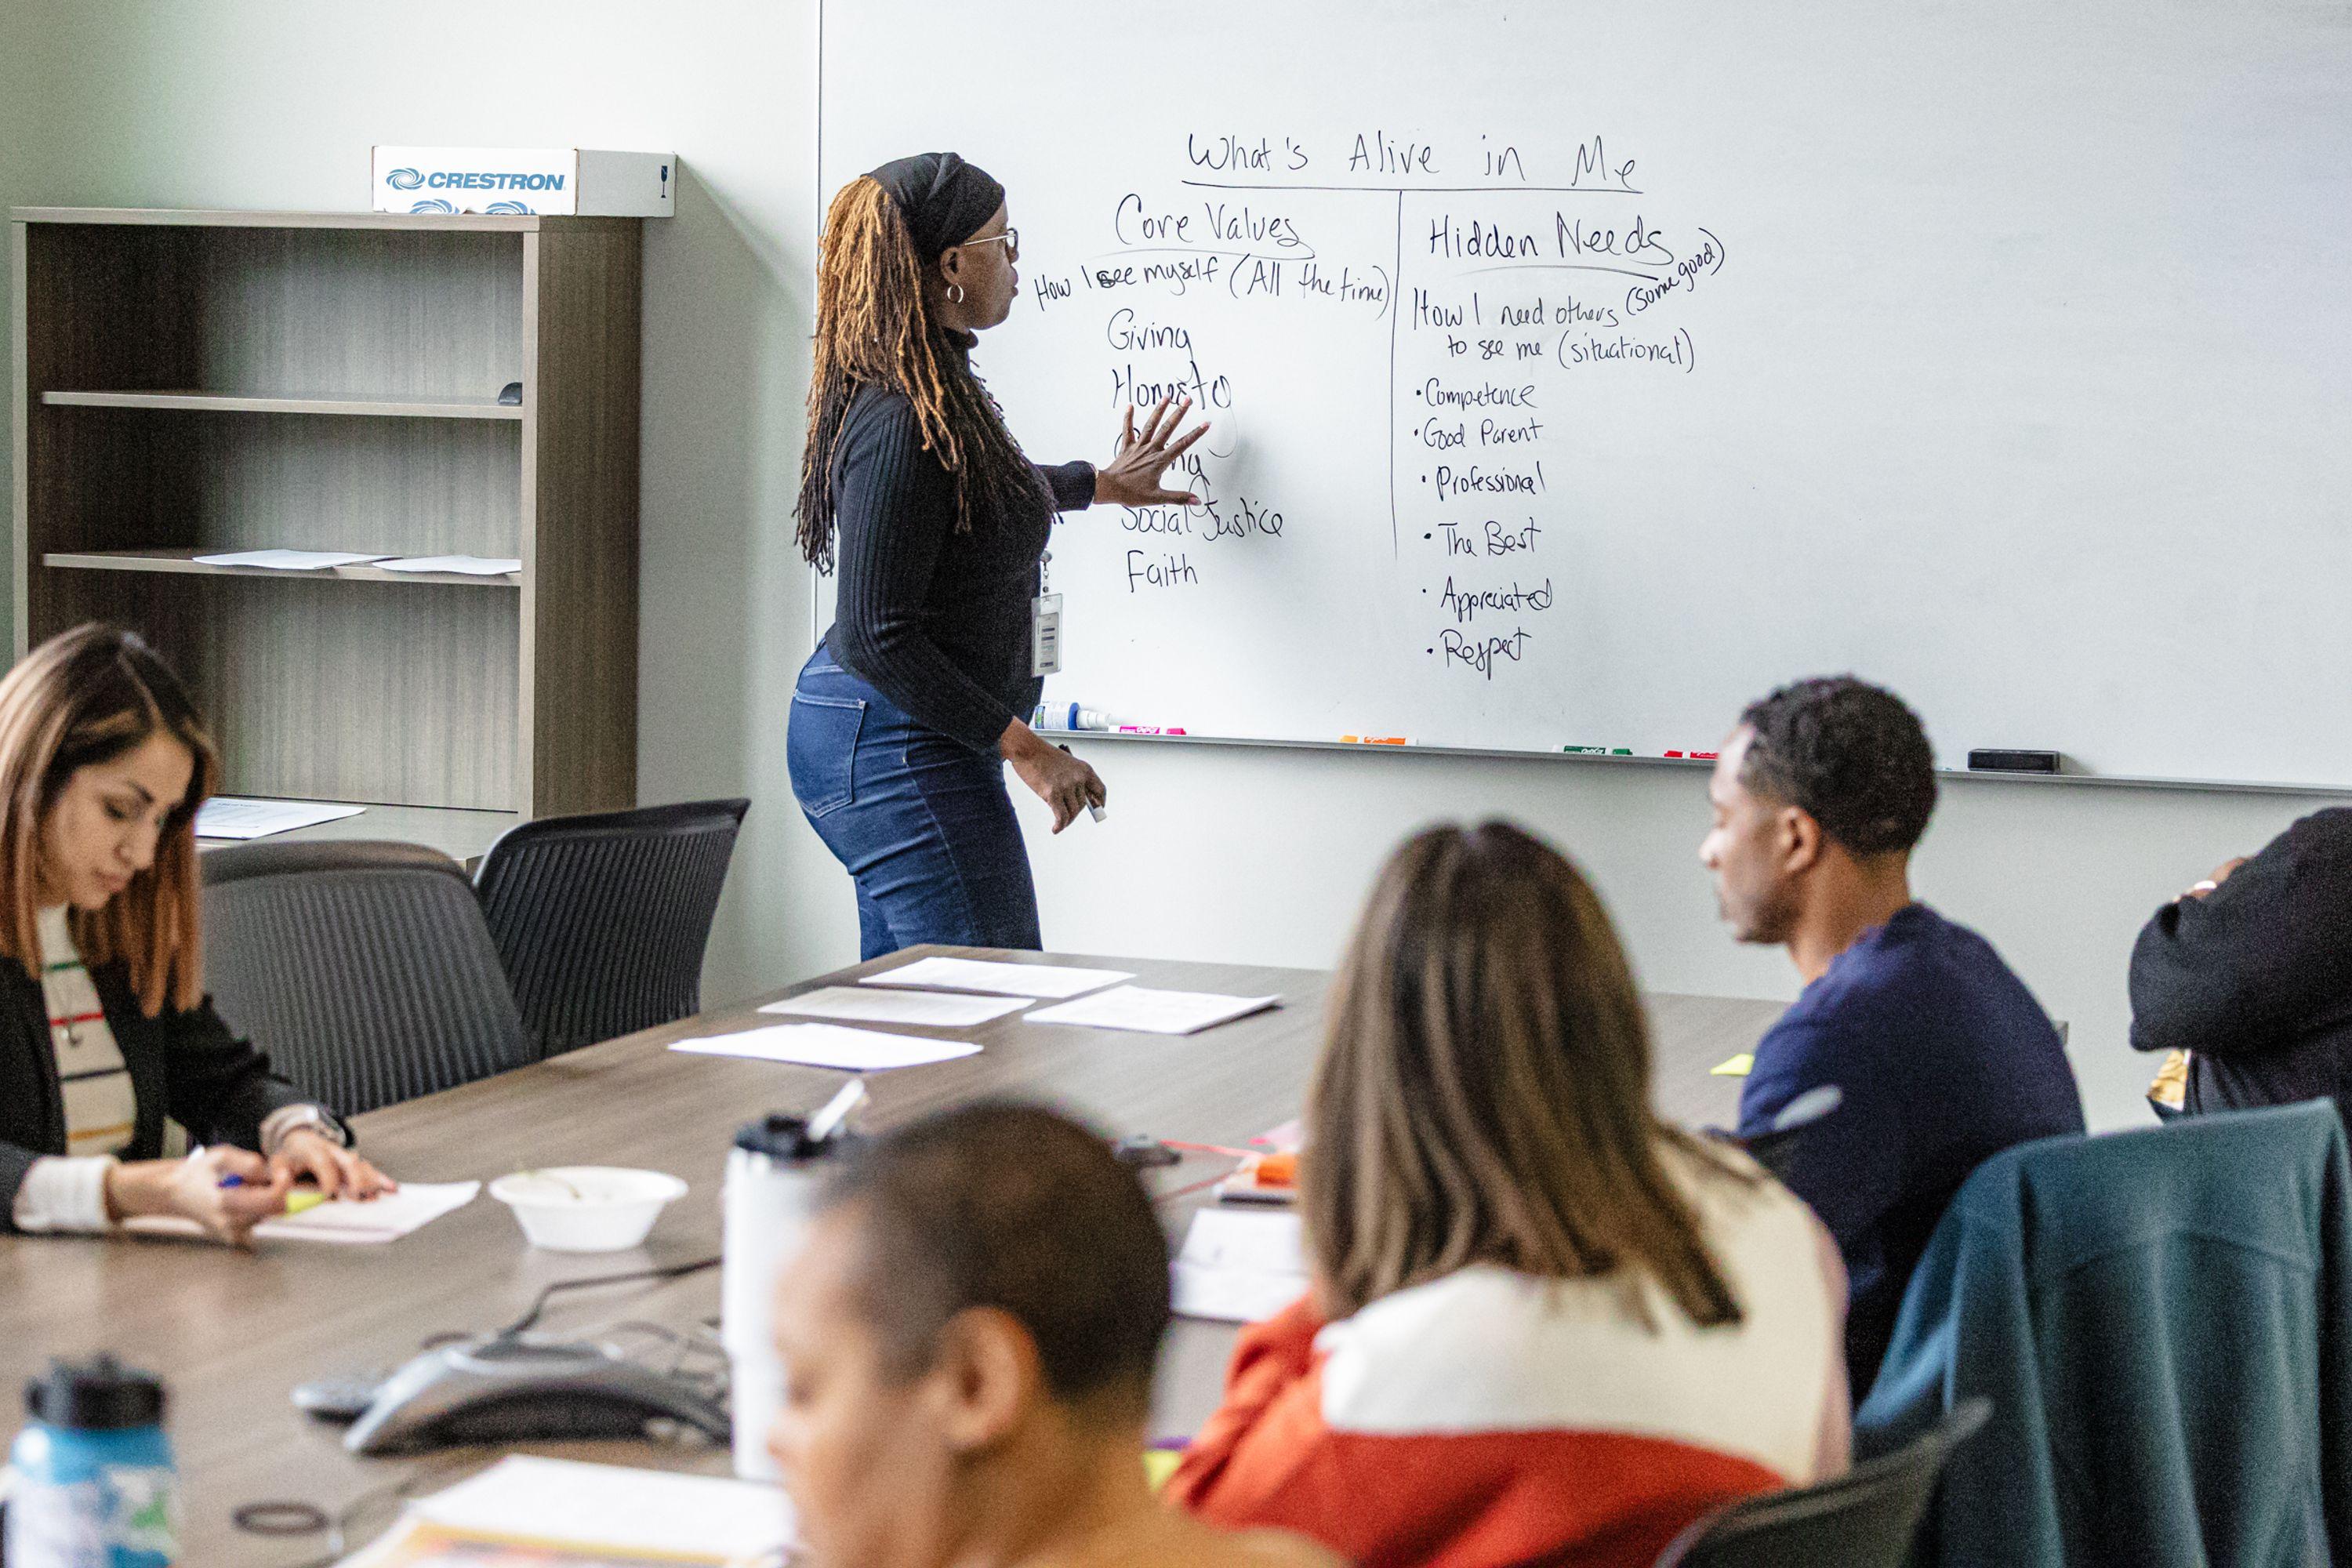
572,181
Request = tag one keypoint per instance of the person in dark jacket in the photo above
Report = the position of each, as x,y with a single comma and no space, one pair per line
105,1030
2250,974
1935,1053
903,719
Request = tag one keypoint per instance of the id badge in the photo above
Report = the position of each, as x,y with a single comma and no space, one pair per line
1046,634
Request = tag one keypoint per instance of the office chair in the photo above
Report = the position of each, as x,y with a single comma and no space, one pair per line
364,969
601,921
1867,1518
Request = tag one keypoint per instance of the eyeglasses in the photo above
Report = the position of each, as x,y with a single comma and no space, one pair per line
1012,240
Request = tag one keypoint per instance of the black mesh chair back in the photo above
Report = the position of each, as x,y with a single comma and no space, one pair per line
1868,1518
364,969
601,921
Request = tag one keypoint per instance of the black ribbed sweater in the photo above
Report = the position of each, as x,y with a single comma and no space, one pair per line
935,621
2255,978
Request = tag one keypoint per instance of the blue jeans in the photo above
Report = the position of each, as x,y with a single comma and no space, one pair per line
923,823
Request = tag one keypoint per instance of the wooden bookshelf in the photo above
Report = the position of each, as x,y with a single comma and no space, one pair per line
191,384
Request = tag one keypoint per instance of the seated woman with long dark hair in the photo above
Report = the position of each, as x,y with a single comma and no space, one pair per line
105,1030
1545,1326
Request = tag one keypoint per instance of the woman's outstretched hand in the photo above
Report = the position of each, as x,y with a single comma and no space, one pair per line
1132,477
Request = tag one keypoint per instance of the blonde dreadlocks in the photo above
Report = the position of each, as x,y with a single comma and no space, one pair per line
873,327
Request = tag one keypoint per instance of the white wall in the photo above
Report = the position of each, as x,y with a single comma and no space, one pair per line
1233,853
1210,853
272,103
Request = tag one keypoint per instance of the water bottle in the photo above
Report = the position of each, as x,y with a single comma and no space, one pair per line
1069,716
95,1485
772,1174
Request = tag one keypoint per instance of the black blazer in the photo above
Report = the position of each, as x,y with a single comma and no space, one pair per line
186,1065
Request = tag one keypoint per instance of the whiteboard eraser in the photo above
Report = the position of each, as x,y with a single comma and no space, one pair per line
1997,761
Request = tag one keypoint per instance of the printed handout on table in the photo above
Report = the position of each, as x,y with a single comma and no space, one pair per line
883,1005
535,1512
998,978
830,1045
228,816
343,1221
1239,1267
1153,1012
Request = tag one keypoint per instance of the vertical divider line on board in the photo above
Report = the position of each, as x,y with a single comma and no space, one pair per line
1396,288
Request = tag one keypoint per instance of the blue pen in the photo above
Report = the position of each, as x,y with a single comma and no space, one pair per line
231,1179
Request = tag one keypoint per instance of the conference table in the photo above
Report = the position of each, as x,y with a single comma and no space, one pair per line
232,1333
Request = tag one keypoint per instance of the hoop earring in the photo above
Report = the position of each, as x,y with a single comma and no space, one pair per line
955,293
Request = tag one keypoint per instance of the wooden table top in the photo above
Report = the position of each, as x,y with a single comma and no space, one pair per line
233,1333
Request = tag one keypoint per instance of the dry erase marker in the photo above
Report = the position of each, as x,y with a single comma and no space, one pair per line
1597,751
1092,809
1149,729
1376,740
1068,715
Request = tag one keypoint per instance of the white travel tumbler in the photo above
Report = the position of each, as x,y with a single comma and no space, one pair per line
771,1179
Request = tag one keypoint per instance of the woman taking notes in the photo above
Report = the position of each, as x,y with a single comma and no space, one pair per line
104,1027
904,717
1544,1327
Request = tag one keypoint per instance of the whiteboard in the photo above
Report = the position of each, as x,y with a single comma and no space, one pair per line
1579,372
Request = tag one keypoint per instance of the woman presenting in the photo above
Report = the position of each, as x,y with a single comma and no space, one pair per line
904,717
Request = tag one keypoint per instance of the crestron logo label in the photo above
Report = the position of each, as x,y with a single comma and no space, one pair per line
474,179
507,207
431,204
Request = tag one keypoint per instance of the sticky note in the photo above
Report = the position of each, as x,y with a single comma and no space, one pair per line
1740,1065
303,1199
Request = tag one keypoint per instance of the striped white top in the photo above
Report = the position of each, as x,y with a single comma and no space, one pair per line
100,1107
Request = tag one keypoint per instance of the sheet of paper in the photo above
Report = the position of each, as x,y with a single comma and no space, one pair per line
289,560
1238,1266
614,1508
940,1009
830,1045
379,1220
999,979
226,816
1740,1065
470,566
1152,1012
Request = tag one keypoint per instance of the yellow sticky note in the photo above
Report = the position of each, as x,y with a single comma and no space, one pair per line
1159,1464
1740,1065
302,1199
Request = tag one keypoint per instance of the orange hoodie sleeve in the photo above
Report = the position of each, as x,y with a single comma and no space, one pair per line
1271,1419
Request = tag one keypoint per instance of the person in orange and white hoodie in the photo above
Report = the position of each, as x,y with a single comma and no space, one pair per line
1545,1327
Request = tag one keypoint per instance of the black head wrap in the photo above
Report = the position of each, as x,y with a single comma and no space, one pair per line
943,199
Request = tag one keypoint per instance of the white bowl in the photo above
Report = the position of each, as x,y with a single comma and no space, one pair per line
586,1208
